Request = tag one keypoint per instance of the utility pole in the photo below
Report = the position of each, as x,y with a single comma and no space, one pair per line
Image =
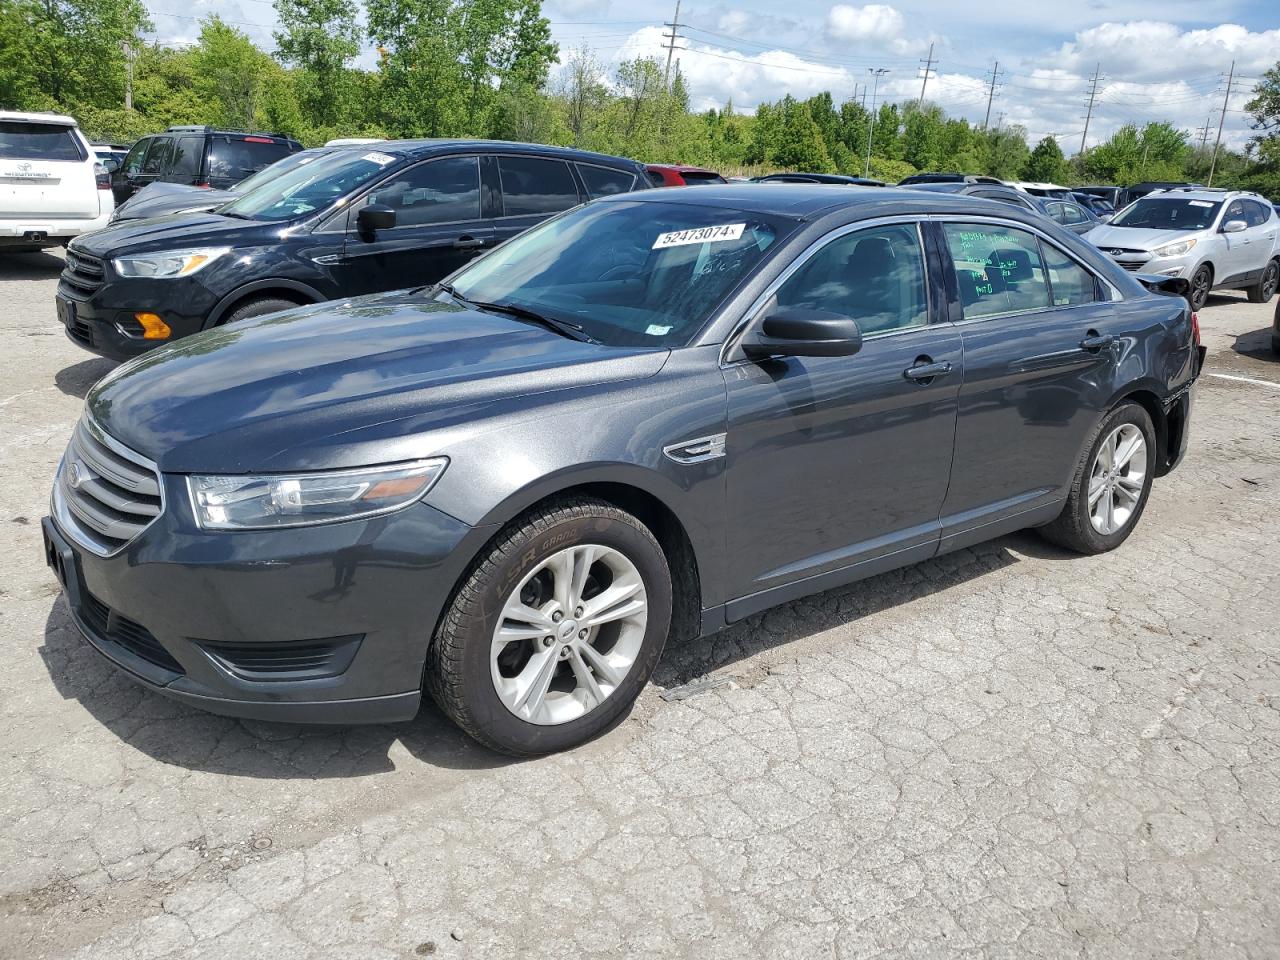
928,69
876,74
991,94
1202,133
1213,164
1093,93
128,75
671,38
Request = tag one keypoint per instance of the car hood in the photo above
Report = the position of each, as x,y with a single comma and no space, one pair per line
335,385
161,204
1136,238
172,232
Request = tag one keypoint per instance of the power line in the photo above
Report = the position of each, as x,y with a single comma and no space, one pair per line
991,93
928,69
1093,93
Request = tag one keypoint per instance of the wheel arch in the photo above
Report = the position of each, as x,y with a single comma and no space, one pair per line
300,293
635,493
1150,401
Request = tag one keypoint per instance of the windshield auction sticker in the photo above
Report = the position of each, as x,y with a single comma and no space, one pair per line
381,159
680,238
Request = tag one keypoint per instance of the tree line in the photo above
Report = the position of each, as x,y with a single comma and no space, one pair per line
484,68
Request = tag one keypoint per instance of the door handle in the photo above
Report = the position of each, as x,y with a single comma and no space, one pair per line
1095,342
468,243
926,370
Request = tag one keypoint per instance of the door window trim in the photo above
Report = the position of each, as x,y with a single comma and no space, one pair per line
1113,295
502,191
750,315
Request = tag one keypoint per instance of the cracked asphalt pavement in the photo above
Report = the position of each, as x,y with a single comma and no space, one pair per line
1006,752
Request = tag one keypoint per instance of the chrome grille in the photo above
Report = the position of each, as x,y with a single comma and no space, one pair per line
104,494
82,276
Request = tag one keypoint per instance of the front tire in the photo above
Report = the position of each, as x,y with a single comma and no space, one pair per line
1111,484
554,631
1265,288
1201,284
257,308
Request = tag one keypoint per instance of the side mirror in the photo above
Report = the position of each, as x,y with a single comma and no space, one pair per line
375,216
799,332
111,164
1106,217
1234,226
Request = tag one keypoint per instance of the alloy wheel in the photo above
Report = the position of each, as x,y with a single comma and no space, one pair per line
1270,280
1117,479
568,634
1199,288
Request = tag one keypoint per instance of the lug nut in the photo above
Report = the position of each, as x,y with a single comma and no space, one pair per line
578,612
582,634
557,617
548,641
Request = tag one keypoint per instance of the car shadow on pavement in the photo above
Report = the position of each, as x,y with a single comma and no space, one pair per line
40,265
77,379
1256,344
177,734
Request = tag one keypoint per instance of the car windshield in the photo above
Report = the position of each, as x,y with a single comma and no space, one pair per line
20,140
310,187
276,169
1168,213
627,273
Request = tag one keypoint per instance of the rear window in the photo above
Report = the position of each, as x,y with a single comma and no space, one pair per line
693,178
38,141
235,159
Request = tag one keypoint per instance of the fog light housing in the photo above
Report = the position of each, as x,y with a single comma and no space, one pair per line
153,328
1171,272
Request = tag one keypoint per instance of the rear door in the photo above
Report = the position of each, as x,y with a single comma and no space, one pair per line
188,156
439,227
44,172
1261,233
1041,348
530,190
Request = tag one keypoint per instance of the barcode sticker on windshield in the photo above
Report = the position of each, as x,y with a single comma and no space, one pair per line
381,159
680,238
1199,203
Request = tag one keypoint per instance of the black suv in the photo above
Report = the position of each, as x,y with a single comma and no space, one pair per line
200,156
354,221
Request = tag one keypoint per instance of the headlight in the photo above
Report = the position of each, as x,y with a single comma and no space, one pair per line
1174,249
278,500
179,263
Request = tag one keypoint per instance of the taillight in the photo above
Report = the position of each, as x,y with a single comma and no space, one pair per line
1195,328
101,175
203,186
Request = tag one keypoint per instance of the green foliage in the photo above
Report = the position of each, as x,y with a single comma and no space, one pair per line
1047,164
481,68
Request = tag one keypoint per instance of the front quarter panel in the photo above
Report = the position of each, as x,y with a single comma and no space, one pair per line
612,437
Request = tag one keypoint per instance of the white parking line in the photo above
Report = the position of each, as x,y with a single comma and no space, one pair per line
1254,381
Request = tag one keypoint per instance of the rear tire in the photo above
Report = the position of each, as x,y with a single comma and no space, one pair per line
1265,288
1087,525
1201,284
598,642
257,308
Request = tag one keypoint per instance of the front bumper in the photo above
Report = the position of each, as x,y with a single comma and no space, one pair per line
104,322
196,615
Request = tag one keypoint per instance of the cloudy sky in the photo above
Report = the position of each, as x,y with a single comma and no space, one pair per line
1164,60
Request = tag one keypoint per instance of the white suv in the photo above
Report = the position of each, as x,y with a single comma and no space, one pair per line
52,186
1216,239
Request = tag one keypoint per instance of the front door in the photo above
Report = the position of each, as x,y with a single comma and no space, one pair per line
835,462
1040,352
129,177
439,227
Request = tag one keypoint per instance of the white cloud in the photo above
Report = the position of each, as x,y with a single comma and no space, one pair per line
875,21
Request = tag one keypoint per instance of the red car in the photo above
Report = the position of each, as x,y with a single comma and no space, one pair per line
675,175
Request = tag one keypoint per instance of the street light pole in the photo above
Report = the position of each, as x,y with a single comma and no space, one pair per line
877,73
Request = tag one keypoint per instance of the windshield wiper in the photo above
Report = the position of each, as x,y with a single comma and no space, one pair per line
565,328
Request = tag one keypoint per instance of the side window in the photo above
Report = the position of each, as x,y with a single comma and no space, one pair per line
1255,213
1071,283
875,276
998,268
603,182
1072,214
186,158
532,185
158,156
438,191
134,158
1235,211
